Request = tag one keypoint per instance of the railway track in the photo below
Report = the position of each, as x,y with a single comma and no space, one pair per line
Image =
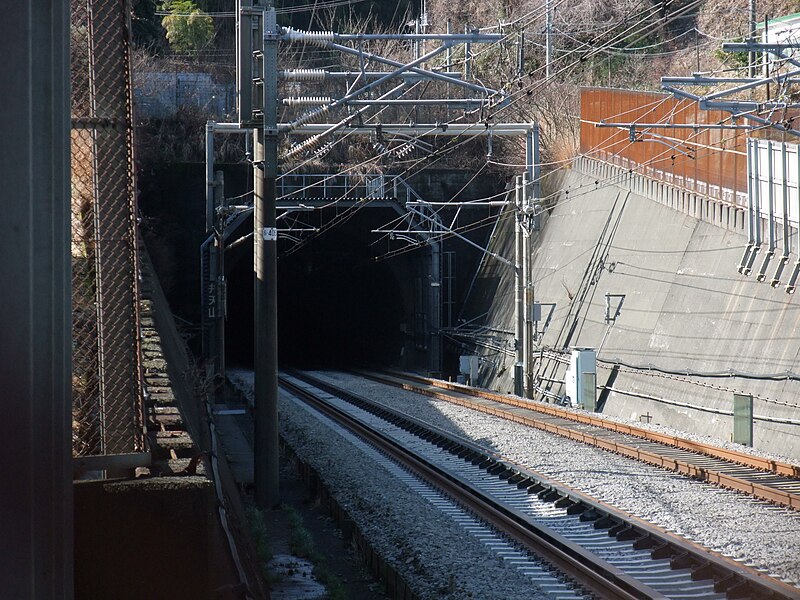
762,478
610,554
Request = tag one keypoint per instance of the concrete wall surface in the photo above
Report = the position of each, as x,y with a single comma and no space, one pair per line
161,95
147,538
684,306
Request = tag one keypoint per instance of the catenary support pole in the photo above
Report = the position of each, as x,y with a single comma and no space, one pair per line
435,308
527,213
519,293
265,238
221,283
752,54
548,38
467,57
209,176
531,204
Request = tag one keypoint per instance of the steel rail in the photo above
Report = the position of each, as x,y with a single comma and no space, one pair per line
729,576
596,575
757,462
731,481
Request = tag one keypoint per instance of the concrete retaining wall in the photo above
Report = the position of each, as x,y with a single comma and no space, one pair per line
674,258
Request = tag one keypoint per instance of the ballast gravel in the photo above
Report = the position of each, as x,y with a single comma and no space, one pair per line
750,531
432,552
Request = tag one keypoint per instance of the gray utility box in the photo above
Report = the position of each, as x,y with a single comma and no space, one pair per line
581,379
469,366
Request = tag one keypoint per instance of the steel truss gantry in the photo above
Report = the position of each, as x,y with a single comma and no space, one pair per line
258,40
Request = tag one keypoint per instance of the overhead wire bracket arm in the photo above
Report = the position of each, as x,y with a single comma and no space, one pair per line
328,43
702,80
752,84
730,107
446,230
695,126
318,75
297,35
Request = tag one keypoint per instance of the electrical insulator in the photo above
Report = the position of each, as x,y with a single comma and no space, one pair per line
310,144
324,149
304,75
317,38
310,115
307,101
403,150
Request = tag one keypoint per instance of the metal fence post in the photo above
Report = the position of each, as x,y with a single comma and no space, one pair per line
107,387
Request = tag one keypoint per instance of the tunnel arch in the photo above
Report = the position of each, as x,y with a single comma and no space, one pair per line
336,306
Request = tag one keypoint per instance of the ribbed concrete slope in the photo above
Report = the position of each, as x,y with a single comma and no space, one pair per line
685,307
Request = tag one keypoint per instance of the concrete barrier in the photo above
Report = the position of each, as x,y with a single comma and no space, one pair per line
672,257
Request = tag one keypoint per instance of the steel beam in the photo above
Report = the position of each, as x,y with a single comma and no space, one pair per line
440,129
694,126
318,37
699,80
317,75
428,74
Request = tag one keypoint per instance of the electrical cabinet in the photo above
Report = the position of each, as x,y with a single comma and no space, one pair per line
581,379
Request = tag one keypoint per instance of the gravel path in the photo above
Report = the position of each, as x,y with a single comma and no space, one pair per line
435,555
754,532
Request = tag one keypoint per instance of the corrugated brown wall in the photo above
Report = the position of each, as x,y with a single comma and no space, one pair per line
712,162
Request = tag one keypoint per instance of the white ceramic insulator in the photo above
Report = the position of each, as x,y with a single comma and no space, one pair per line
323,149
311,143
307,101
403,150
304,75
318,38
305,118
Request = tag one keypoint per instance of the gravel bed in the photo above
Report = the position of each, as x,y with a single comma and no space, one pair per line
434,554
694,437
671,431
753,532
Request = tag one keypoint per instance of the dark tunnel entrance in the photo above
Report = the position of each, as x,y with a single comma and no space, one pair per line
336,307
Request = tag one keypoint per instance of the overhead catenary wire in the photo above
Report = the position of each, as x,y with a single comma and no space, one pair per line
453,145
729,373
610,181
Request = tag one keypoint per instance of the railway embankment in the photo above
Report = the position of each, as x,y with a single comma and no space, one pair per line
686,330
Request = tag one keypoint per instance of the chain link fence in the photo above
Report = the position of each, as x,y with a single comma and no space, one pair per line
106,380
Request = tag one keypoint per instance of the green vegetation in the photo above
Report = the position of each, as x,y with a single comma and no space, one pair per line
188,28
302,545
738,60
258,530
